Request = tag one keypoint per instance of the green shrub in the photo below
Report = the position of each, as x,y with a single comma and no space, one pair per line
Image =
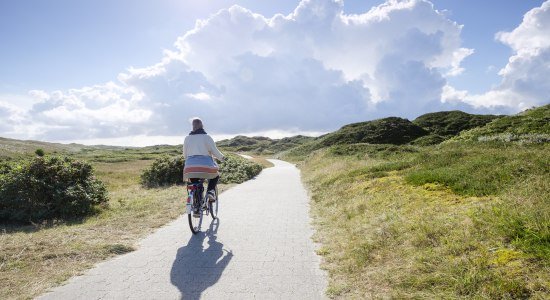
39,152
450,123
235,169
169,171
48,188
164,171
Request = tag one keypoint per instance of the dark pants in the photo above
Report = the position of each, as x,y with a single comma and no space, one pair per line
211,182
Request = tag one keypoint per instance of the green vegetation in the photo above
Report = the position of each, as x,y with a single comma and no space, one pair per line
390,130
393,130
13,149
164,171
262,145
244,143
451,123
472,170
530,126
383,237
39,152
428,129
49,188
447,124
463,219
235,169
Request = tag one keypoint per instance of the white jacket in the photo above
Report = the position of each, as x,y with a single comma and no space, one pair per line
200,144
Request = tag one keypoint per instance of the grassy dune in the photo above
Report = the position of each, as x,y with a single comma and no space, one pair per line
450,221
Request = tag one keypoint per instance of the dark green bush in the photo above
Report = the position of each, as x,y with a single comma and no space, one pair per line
169,171
451,123
48,188
236,169
39,152
164,171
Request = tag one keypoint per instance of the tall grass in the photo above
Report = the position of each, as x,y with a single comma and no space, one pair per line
521,217
479,170
449,221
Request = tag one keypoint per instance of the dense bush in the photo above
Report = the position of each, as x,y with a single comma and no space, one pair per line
164,171
450,123
236,169
169,171
46,188
39,152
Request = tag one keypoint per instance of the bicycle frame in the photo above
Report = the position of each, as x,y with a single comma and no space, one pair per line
193,189
198,200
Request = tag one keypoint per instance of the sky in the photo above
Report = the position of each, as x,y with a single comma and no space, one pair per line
133,72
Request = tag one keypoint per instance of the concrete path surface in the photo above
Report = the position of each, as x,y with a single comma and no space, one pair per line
260,248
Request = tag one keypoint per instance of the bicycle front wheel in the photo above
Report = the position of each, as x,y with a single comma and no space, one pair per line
213,206
195,222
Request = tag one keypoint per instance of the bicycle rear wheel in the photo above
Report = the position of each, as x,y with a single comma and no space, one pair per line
213,206
195,222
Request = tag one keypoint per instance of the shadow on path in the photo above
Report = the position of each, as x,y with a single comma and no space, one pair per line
196,268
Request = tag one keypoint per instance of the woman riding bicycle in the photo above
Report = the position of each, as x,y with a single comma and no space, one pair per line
198,149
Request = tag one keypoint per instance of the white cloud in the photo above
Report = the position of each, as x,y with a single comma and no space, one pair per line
450,94
525,78
315,68
101,110
458,56
11,116
532,34
312,70
199,96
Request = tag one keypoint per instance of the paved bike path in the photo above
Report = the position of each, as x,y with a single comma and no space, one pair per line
261,248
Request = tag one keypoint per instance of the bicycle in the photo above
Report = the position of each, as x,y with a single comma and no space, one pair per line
196,201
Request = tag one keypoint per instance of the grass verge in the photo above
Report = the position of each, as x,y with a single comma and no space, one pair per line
385,235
